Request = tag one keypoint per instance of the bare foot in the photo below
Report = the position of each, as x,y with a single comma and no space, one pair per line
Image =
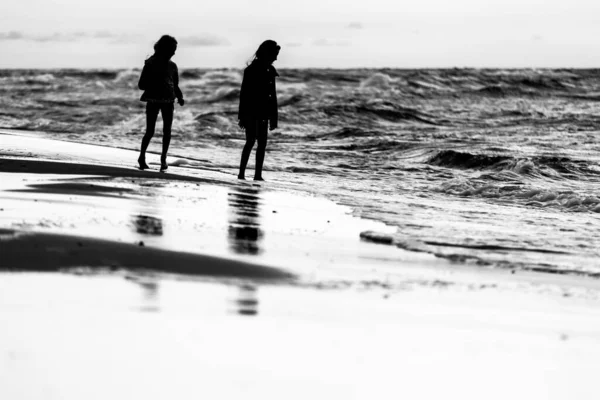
258,178
242,177
142,164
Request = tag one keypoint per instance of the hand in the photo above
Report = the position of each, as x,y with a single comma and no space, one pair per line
272,126
242,124
181,101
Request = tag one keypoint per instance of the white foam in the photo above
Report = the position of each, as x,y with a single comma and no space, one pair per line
378,80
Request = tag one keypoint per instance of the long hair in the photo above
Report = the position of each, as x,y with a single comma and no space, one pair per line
267,47
165,45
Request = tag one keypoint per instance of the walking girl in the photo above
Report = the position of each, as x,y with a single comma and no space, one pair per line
258,105
160,83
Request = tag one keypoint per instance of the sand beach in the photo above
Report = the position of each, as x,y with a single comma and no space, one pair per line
116,282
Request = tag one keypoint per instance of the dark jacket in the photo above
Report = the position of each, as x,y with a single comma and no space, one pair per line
258,97
159,81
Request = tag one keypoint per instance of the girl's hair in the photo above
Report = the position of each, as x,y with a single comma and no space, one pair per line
267,47
165,44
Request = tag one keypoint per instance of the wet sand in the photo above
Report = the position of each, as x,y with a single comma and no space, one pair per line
119,283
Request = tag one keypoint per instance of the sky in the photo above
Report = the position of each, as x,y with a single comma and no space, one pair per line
312,33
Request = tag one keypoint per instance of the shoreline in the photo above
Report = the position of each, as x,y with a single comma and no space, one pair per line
46,170
91,174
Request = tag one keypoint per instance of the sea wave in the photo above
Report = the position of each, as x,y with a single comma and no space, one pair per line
461,153
551,167
525,195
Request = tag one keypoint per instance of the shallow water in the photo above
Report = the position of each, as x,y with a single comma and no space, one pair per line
488,167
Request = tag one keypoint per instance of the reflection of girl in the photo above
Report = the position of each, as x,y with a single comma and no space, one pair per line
160,83
258,105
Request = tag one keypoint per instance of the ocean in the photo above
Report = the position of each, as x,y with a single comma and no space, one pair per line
487,167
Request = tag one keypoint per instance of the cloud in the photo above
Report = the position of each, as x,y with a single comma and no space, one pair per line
122,38
70,36
11,35
53,37
106,35
330,43
203,40
355,25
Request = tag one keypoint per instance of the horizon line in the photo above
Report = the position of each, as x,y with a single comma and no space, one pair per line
300,68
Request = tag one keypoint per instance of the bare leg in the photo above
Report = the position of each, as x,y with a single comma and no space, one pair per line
151,115
167,114
250,140
260,150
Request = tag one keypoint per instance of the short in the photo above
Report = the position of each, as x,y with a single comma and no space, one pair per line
257,130
166,109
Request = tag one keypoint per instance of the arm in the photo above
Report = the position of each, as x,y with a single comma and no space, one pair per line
178,92
274,111
143,82
274,120
244,94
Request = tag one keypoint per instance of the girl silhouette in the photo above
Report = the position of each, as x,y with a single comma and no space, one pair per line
258,105
160,83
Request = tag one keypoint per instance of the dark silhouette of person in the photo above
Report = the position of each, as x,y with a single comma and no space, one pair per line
258,105
160,82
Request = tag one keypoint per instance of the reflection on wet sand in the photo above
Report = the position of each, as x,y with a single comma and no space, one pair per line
149,287
244,233
144,220
247,302
148,225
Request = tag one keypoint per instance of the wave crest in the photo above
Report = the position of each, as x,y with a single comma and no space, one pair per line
378,80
